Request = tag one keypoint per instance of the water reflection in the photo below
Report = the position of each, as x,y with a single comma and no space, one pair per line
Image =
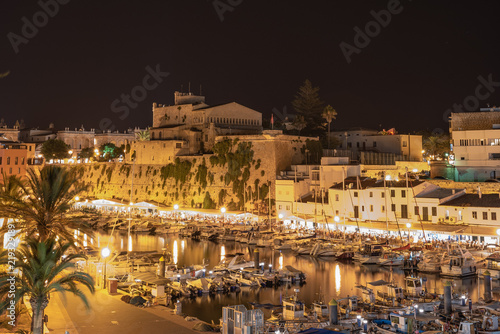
334,279
130,243
175,252
337,279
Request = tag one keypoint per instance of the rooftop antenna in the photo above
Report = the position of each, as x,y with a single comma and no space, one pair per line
200,90
181,88
189,87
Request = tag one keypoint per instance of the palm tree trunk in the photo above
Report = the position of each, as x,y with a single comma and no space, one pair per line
38,306
329,135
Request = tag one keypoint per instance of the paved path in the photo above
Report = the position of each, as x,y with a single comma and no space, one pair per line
111,315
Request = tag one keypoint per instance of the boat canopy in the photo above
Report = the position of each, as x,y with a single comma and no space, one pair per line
380,282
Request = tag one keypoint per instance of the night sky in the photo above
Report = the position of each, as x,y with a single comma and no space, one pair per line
426,59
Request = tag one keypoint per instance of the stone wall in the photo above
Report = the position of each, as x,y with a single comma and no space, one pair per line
207,181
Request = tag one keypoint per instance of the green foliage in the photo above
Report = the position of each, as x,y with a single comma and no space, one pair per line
201,174
308,105
313,151
110,151
86,153
179,170
257,165
55,149
208,203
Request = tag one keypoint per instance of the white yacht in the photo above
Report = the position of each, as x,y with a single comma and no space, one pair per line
461,263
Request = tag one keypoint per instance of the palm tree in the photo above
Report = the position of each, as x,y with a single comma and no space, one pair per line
299,123
44,203
436,145
329,114
46,267
143,135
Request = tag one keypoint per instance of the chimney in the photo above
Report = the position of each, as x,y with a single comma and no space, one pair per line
479,192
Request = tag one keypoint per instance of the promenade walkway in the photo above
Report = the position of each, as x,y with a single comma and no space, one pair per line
111,315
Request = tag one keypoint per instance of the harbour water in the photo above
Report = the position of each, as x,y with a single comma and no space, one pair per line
333,279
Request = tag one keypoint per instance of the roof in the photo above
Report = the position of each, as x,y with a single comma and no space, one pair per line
439,193
352,182
473,200
398,184
319,199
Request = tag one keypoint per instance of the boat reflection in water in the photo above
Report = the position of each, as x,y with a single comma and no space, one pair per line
332,278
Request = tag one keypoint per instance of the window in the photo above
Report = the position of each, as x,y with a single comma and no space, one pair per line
417,212
383,208
393,193
336,197
371,208
362,208
374,144
355,194
404,211
493,216
178,145
22,161
357,144
447,214
16,161
382,194
403,193
485,215
371,193
279,207
288,207
393,207
474,215
8,160
404,143
10,170
0,160
434,211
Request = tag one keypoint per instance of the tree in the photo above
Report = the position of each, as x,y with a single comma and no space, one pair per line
46,267
308,104
55,149
143,135
86,153
299,123
111,151
44,202
436,146
329,114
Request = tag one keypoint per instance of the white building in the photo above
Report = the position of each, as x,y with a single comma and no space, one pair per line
475,138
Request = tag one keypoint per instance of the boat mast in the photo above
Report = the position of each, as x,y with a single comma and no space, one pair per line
343,197
386,208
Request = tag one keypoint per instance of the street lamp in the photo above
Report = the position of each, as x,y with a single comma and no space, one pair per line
223,211
105,253
176,207
408,225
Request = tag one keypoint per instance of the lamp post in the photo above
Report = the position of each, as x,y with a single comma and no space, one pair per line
408,225
176,207
223,211
337,220
105,253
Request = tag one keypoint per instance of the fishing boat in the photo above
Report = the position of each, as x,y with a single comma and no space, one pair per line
235,262
460,264
370,254
431,262
492,265
391,259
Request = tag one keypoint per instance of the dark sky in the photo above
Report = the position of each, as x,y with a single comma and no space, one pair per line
426,59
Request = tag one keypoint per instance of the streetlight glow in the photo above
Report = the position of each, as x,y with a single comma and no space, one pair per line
408,225
223,209
336,219
105,252
280,216
176,206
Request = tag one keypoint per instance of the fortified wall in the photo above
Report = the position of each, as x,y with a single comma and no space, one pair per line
239,171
